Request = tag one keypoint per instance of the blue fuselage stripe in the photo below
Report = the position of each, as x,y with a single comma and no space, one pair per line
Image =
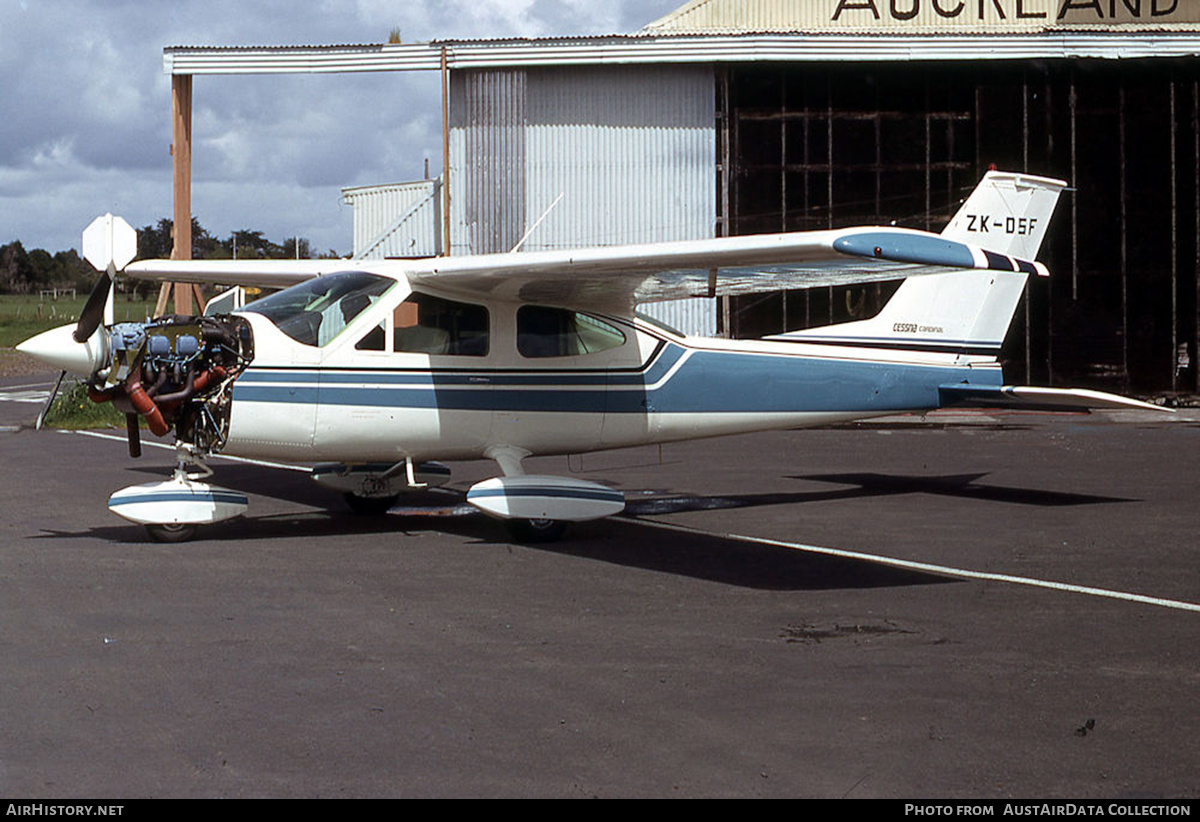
707,382
179,496
549,492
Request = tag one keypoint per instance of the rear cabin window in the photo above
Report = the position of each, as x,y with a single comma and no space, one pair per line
424,324
560,332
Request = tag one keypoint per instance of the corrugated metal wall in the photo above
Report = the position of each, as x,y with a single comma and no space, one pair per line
398,220
623,154
487,166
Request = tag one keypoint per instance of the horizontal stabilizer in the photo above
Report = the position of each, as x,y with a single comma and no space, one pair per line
1033,398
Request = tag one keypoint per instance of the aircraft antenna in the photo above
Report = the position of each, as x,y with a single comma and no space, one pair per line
545,214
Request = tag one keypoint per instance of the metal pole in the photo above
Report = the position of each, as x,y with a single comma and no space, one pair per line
1195,352
445,155
1174,253
1074,103
1124,233
1025,168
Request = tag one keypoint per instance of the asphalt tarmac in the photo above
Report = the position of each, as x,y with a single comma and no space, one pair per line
961,606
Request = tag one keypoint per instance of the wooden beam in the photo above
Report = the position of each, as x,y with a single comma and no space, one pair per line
164,299
181,162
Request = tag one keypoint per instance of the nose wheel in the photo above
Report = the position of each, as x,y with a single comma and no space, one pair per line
531,531
173,533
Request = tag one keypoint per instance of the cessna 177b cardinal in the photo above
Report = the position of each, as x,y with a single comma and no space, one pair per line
371,370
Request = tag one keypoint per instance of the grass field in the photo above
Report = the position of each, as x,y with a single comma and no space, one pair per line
22,316
72,409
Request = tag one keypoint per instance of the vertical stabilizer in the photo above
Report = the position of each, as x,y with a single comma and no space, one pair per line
962,311
1007,213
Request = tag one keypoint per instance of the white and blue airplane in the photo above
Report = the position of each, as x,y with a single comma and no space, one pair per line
376,371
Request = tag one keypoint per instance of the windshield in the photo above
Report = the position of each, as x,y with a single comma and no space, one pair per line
316,311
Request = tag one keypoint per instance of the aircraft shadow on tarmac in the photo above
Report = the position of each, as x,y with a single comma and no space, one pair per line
621,541
870,485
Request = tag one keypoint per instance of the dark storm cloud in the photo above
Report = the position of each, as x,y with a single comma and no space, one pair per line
87,105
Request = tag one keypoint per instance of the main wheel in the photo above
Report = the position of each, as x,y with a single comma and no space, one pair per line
370,506
535,530
171,532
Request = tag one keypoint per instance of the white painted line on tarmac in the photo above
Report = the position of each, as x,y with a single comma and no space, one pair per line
121,438
24,395
942,570
27,385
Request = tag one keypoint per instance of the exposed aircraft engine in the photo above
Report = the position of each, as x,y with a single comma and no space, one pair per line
175,372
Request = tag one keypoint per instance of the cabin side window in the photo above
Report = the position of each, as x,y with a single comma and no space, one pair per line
560,332
374,339
425,324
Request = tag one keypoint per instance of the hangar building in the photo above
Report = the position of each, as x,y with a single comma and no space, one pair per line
729,117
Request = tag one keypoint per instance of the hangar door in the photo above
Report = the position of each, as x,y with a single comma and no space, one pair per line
811,147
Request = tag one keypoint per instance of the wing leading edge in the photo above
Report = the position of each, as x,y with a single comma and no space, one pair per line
617,278
250,273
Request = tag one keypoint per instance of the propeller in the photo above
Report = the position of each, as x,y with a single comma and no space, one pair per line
93,310
109,244
134,435
62,375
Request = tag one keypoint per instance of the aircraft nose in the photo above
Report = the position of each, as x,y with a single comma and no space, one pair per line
57,348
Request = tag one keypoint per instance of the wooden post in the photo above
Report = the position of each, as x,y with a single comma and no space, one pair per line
181,162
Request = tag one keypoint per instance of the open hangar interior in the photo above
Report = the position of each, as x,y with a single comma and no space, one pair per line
727,118
829,146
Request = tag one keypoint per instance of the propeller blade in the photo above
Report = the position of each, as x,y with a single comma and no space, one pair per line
93,310
134,435
49,402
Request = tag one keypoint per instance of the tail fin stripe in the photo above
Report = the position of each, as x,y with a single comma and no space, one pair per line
1000,262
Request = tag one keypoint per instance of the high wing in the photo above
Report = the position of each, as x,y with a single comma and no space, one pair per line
616,278
249,273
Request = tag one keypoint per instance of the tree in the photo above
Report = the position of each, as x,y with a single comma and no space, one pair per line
22,272
289,248
42,269
15,272
75,270
157,242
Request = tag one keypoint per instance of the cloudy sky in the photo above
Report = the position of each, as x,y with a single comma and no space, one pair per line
86,108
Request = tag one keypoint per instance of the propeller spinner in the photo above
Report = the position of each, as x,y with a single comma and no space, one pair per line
109,244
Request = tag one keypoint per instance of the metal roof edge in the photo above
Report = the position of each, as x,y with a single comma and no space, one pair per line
353,190
706,48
